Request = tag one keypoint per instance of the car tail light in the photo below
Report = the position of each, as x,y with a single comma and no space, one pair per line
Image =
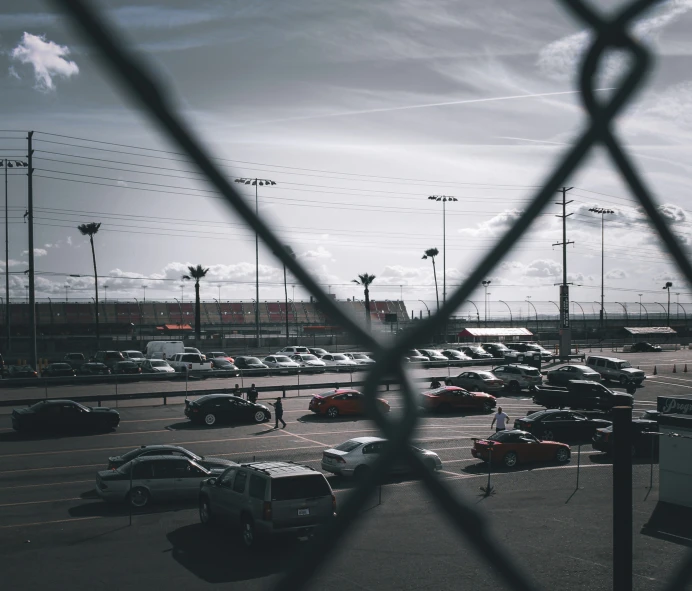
35,374
267,511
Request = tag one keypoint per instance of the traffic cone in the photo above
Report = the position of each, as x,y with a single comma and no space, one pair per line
655,372
674,369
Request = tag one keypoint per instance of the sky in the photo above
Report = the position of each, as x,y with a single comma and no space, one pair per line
358,111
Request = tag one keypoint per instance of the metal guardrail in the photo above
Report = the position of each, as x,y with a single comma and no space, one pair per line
607,32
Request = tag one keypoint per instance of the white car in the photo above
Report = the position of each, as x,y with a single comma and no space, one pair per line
293,350
156,366
338,362
517,377
136,356
189,362
309,363
282,363
360,358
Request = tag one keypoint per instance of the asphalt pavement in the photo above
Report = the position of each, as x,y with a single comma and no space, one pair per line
55,533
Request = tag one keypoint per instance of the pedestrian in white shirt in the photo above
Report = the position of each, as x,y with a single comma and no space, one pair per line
501,418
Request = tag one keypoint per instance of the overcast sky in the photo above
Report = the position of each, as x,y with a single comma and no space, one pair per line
358,111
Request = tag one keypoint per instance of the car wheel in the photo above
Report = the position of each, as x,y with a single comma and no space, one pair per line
548,435
205,514
209,419
332,412
510,459
488,406
139,497
514,387
248,532
562,455
260,417
623,380
361,473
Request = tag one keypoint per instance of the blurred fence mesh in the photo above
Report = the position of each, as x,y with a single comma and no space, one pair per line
609,33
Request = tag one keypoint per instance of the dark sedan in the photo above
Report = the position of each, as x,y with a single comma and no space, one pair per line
476,352
224,408
251,365
168,450
563,375
64,370
560,425
643,443
645,348
127,367
94,368
221,364
21,371
64,415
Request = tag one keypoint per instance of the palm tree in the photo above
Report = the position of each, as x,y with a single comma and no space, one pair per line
432,253
90,230
365,280
196,273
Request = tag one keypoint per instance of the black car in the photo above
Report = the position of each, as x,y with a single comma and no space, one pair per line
21,371
224,408
251,364
168,450
94,368
476,352
76,360
560,425
64,415
126,367
219,363
645,348
642,442
59,370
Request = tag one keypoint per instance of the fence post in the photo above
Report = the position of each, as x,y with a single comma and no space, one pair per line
622,498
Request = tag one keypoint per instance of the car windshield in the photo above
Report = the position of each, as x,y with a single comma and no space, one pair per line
224,362
498,346
532,372
339,357
282,359
348,445
413,353
309,358
360,356
485,375
300,487
135,354
160,363
37,405
624,364
252,360
500,436
535,415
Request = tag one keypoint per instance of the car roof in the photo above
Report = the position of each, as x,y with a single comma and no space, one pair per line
279,469
365,440
161,458
584,367
518,365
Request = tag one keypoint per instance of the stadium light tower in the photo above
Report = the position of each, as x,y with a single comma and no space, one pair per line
603,212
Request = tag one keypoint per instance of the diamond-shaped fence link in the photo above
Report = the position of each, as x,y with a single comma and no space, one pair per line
609,33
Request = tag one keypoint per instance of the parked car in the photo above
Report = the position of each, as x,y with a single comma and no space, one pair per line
453,356
219,355
164,349
531,348
58,370
156,366
475,352
126,367
76,360
476,381
64,415
309,363
153,479
616,370
450,398
360,358
225,408
519,447
136,356
222,364
645,348
502,351
293,350
561,376
642,442
317,351
108,358
281,363
21,371
194,351
518,377
560,425
581,395
265,500
189,363
338,362
342,402
356,457
434,356
144,451
252,365
415,356
93,368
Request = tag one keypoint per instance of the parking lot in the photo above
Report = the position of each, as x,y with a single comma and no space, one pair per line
50,515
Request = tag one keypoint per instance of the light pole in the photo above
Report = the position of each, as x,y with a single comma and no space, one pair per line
444,199
667,287
105,298
8,164
485,287
256,183
528,299
677,304
67,288
511,321
426,307
144,287
602,211
640,308
180,310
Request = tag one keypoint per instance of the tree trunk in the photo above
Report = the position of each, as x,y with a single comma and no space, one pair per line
368,320
197,314
96,287
437,295
286,297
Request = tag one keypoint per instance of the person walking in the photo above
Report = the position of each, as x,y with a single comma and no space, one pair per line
252,394
279,412
501,418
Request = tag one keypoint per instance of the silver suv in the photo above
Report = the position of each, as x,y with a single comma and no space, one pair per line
616,370
517,377
268,499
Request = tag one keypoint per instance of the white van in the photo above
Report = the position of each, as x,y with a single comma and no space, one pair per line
164,349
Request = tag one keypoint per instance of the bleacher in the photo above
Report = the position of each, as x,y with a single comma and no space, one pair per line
274,313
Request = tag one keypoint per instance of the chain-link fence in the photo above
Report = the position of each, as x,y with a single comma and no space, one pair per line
455,503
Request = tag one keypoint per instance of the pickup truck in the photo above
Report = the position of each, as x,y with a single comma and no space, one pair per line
581,394
189,362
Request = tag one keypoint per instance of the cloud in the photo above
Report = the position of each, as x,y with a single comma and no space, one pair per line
543,268
47,59
38,252
616,274
320,253
495,225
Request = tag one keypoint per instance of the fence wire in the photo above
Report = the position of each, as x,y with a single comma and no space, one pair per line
609,33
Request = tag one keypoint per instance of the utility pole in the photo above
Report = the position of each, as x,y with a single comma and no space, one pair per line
32,296
565,329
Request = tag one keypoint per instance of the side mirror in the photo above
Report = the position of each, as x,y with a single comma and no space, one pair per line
213,481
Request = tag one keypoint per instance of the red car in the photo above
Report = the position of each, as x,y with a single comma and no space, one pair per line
519,447
342,402
449,398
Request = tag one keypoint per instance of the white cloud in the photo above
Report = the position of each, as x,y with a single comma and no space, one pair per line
38,252
47,59
616,274
320,253
495,225
543,268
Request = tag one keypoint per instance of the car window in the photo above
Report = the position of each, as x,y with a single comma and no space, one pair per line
348,445
167,469
257,488
143,470
226,479
532,372
185,469
282,359
623,364
299,487
239,484
373,448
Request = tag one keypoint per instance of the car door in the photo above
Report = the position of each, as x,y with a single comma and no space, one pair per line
371,452
221,496
73,417
226,410
187,479
357,400
161,483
